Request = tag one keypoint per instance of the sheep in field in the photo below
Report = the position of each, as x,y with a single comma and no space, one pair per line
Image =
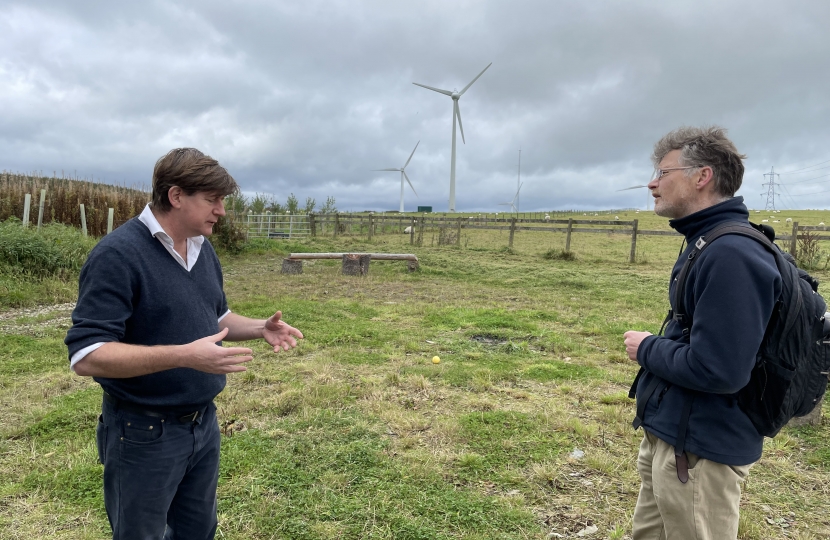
408,230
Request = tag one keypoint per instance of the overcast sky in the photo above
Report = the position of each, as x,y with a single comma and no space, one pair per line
309,96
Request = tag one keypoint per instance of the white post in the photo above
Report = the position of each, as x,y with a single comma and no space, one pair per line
83,220
290,224
110,217
27,202
40,211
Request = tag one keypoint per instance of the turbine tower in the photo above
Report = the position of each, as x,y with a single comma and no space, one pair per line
456,113
403,174
519,181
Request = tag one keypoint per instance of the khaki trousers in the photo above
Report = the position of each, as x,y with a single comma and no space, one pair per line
704,508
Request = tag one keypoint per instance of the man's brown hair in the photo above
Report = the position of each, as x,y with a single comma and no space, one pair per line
702,147
192,171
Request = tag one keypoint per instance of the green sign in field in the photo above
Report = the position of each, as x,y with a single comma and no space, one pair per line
424,209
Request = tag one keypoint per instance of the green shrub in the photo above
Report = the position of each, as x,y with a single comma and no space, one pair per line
57,250
228,235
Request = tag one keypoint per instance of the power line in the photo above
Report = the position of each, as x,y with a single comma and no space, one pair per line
787,191
807,167
813,193
806,180
809,170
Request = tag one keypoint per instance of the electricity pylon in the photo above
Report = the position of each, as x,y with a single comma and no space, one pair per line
771,190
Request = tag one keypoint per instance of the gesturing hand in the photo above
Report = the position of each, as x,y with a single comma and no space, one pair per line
280,334
205,355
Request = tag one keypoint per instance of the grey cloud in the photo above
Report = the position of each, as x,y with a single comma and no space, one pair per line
309,97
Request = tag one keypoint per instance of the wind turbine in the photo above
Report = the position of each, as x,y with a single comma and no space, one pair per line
512,204
456,113
519,180
403,174
638,187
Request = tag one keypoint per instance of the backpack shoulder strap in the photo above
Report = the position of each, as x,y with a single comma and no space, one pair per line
680,315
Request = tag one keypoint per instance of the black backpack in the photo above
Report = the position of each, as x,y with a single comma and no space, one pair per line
791,372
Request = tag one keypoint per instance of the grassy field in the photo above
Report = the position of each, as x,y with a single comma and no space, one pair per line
357,434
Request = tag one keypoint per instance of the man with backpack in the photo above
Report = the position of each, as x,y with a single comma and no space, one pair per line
699,444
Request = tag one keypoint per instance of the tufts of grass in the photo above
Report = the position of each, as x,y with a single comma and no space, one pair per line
559,255
57,250
560,371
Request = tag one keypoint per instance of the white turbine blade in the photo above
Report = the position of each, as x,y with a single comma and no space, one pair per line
461,93
387,170
445,92
632,187
458,115
410,183
516,196
410,155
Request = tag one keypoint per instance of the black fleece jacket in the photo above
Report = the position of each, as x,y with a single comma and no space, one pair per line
730,293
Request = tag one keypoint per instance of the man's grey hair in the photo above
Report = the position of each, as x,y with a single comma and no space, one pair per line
701,147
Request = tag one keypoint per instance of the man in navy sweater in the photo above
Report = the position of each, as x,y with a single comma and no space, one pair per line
691,479
148,326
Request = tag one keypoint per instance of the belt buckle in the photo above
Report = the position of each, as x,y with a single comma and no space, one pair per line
189,417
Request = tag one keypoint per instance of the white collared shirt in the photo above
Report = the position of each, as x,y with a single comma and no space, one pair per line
194,243
194,247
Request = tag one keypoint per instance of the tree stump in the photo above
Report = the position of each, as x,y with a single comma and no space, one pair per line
292,266
813,418
356,265
412,266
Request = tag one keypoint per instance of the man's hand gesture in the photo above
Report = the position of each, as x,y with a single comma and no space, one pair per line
205,355
280,334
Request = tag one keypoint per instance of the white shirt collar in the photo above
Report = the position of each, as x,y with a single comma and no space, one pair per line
194,243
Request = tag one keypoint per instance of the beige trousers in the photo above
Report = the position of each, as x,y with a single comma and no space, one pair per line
704,508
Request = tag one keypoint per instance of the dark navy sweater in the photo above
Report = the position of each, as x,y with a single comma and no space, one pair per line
133,291
730,294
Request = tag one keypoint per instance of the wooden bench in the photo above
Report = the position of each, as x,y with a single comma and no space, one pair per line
353,263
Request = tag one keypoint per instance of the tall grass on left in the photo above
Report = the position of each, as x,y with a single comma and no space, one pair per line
64,197
42,267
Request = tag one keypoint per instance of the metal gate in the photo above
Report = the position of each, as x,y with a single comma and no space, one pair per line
277,226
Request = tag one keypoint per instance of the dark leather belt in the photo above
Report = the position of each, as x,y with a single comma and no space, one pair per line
188,418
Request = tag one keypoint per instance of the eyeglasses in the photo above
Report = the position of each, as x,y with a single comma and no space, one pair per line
660,173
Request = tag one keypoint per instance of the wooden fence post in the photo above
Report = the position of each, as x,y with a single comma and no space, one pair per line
568,237
110,216
412,232
632,257
458,234
312,225
794,239
27,203
421,231
371,226
83,219
40,210
336,223
512,231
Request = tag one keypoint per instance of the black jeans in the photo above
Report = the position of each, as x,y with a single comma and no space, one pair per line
160,473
